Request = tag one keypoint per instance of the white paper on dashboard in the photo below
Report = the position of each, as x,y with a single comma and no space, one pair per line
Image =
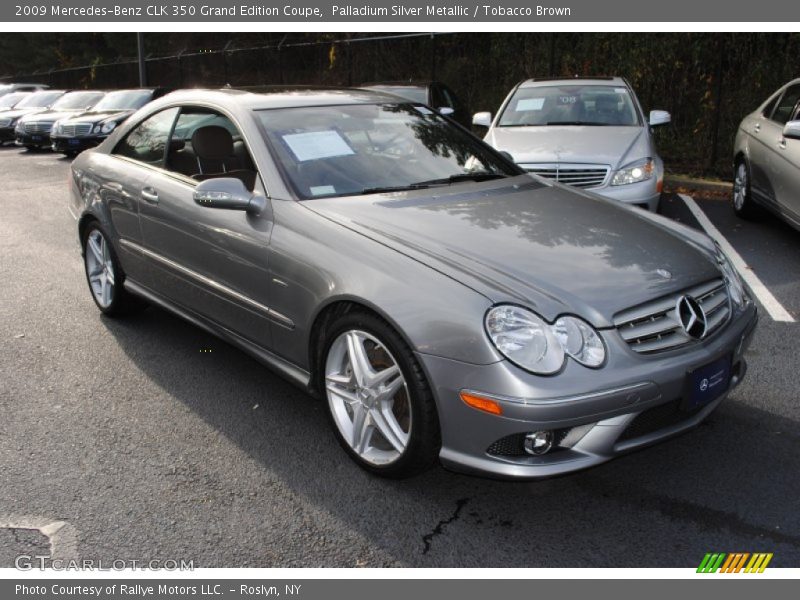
320,190
530,104
317,144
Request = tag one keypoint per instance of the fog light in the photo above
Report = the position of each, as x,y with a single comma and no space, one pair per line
538,442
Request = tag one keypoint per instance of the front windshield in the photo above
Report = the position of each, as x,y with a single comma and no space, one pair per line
570,105
39,100
346,150
123,100
415,94
10,100
78,100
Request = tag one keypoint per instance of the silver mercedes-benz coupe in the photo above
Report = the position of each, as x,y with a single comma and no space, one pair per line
441,301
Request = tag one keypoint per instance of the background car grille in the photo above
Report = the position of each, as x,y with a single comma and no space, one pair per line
654,326
75,129
38,127
577,175
5,122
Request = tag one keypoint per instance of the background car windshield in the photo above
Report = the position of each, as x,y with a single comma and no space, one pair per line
570,105
124,100
10,100
77,100
415,94
39,100
352,149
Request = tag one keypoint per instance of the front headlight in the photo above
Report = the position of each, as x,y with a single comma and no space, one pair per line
20,126
732,278
641,170
530,342
108,127
56,128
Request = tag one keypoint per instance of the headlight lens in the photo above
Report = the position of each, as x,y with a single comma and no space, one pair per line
732,279
635,172
108,127
57,128
20,126
530,342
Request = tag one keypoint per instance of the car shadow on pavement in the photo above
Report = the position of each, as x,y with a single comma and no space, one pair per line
729,485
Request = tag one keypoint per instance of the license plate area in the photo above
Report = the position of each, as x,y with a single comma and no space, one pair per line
707,383
73,141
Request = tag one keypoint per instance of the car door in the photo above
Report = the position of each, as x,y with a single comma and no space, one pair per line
758,127
211,261
786,167
122,180
773,146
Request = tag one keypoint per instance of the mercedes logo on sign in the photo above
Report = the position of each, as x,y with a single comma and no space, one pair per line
692,317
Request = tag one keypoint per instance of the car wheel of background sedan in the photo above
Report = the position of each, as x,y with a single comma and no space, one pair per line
104,274
382,409
743,204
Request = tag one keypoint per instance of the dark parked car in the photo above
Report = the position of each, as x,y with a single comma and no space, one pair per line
86,130
767,157
33,131
36,102
442,302
9,88
430,93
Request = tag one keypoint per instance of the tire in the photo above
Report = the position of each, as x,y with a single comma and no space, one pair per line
408,414
104,274
742,200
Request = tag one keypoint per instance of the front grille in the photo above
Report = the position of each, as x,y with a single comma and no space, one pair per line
5,122
576,175
75,129
38,126
654,326
657,418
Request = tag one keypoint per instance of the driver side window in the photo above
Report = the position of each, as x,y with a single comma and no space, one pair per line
147,141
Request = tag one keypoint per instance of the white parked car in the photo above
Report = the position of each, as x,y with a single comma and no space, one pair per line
589,133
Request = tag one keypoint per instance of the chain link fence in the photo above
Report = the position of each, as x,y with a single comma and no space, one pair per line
708,81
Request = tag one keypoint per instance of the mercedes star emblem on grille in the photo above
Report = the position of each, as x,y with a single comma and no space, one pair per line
692,317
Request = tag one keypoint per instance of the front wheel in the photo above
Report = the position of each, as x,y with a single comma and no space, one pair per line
743,204
379,402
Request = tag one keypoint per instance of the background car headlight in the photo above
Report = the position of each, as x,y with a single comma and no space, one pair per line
19,127
57,128
732,278
530,342
634,172
108,127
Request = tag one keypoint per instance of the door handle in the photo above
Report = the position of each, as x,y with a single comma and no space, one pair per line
150,195
782,143
757,127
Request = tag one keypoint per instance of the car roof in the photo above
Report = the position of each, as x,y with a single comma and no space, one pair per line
549,81
408,84
266,97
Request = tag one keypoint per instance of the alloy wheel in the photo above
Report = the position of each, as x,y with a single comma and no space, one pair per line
99,268
740,186
368,397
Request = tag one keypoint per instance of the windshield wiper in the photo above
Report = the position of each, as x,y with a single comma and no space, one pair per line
394,188
463,177
577,123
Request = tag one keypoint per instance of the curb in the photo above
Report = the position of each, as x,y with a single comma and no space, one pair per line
691,182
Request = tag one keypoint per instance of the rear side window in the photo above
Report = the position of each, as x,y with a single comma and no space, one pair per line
147,141
785,108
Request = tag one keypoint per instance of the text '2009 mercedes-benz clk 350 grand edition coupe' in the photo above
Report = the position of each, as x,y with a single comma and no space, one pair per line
441,301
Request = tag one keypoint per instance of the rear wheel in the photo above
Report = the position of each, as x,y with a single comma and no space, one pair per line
104,274
379,402
743,204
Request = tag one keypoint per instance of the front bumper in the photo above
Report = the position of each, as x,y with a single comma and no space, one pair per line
39,140
74,144
644,194
633,401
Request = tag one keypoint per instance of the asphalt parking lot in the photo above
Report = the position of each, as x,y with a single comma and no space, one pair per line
149,439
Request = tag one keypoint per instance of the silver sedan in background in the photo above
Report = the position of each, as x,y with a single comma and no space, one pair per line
767,157
441,301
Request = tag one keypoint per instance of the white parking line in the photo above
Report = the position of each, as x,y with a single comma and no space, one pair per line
768,301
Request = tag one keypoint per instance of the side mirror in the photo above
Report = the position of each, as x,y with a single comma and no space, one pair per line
482,119
659,117
446,111
229,193
792,130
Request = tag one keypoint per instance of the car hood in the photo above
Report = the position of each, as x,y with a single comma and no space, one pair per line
19,112
607,145
547,247
98,117
54,115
